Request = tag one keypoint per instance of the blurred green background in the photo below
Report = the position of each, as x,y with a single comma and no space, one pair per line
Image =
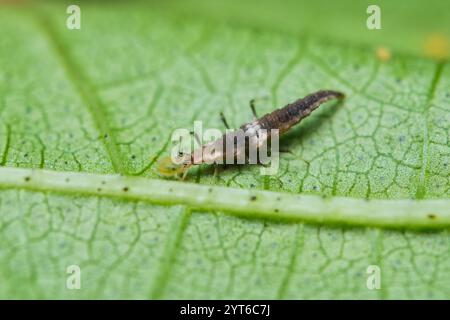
416,27
408,27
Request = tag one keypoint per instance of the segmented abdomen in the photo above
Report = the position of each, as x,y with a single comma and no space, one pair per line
293,113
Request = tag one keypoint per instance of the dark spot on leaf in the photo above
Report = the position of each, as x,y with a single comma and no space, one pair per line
276,210
99,189
25,155
133,157
431,216
105,136
278,198
252,185
252,198
27,179
103,182
125,189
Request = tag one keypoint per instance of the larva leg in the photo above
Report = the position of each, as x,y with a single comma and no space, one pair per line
285,150
216,171
252,105
184,174
197,138
225,123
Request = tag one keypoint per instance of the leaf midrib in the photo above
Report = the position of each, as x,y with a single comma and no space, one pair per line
401,213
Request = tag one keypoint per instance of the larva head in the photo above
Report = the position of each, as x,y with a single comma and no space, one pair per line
170,168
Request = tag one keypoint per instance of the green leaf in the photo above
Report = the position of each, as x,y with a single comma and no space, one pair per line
85,115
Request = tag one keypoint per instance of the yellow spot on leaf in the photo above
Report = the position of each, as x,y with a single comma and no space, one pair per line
437,46
384,54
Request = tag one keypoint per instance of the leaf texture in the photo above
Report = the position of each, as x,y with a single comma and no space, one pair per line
79,108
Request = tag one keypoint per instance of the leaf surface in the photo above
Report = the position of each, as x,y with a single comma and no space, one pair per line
78,108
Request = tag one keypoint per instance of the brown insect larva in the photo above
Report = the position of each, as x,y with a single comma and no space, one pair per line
282,119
